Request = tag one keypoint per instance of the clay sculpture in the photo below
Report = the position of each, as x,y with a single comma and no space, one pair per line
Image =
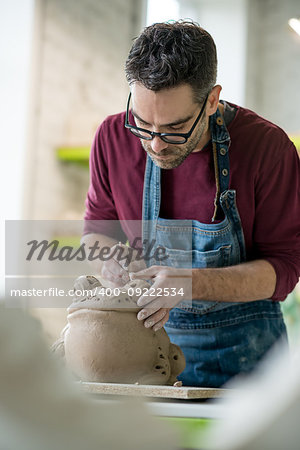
104,342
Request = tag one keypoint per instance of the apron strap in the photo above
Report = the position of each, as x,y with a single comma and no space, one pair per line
217,178
220,145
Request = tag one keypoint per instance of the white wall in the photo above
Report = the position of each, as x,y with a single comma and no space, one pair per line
16,22
80,51
161,11
226,21
273,74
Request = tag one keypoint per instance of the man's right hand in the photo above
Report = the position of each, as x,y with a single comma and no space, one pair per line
117,266
113,272
121,261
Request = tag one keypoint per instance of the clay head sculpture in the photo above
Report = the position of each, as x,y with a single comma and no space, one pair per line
104,341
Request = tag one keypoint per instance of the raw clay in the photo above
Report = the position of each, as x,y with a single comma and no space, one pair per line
104,342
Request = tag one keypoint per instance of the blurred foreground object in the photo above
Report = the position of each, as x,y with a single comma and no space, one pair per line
42,409
265,414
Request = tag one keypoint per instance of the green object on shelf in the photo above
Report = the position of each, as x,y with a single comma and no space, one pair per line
77,155
191,430
291,313
67,241
296,140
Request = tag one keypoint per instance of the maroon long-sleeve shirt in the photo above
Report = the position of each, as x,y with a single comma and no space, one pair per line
264,171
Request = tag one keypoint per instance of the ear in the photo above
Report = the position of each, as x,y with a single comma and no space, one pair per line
213,100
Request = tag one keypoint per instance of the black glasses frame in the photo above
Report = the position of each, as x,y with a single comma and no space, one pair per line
162,136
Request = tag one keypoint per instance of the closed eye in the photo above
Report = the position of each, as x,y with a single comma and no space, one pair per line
167,129
176,129
141,123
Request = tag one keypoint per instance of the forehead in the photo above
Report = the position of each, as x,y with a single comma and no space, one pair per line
163,106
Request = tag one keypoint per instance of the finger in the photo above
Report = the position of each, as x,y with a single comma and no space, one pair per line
151,300
147,300
144,300
145,313
155,318
145,274
137,266
115,268
162,322
155,304
113,278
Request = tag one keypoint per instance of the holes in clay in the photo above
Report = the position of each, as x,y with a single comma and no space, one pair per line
163,373
175,357
158,367
159,348
161,356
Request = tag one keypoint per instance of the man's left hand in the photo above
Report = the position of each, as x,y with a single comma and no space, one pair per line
170,287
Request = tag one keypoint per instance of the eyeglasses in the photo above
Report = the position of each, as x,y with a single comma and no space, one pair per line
169,138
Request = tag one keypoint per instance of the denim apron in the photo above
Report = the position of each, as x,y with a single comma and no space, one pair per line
219,339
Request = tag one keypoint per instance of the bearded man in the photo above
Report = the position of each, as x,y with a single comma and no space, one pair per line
214,184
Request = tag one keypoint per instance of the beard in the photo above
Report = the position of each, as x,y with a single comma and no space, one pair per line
176,153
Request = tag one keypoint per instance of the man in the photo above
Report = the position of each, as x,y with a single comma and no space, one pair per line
214,184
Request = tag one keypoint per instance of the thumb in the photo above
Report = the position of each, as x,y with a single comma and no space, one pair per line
144,274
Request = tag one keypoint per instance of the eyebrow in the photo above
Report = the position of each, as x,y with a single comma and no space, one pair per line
171,124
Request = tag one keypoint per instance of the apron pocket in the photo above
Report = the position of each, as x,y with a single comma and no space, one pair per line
187,259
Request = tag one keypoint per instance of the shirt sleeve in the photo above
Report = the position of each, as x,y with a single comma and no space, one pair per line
101,214
277,215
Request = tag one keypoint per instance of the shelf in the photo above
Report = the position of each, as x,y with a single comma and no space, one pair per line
76,155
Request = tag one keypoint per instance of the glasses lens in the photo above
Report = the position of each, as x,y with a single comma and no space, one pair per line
141,134
174,139
144,134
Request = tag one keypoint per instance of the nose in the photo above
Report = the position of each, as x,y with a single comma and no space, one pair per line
158,145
